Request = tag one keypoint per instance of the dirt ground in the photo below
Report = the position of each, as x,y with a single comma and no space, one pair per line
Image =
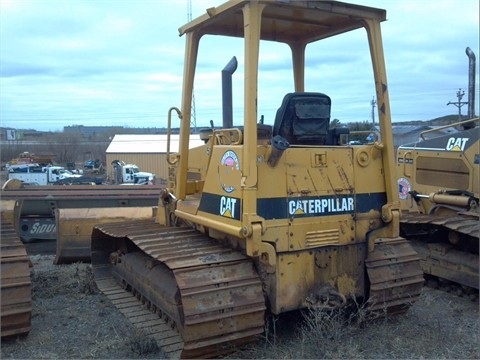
71,319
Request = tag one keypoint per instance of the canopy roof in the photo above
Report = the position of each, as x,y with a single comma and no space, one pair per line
287,21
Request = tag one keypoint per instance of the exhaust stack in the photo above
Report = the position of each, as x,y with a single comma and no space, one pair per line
471,83
227,102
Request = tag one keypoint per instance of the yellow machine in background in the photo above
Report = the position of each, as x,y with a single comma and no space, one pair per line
275,215
438,184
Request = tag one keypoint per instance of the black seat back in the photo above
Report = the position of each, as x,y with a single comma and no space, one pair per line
303,118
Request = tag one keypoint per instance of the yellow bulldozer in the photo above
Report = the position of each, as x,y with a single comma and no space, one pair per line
438,184
439,192
267,216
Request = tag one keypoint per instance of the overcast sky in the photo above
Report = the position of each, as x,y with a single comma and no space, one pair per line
120,62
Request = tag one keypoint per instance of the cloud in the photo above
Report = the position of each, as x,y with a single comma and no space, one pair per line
108,62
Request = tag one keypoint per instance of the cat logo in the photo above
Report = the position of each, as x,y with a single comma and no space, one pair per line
456,144
227,206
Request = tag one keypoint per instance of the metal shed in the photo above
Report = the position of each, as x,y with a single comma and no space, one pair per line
148,152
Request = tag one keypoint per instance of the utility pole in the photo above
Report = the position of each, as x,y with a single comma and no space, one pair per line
459,103
193,121
373,103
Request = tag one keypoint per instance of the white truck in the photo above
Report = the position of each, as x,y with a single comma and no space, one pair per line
130,174
35,174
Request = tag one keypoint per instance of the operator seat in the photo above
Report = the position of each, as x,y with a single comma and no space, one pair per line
303,118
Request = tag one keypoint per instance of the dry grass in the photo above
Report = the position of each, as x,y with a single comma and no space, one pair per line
436,327
63,280
143,345
72,320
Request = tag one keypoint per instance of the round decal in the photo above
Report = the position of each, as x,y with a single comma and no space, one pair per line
403,188
229,163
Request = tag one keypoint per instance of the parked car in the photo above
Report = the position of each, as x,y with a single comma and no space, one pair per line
89,164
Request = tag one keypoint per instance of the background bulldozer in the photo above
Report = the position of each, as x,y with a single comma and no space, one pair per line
438,184
275,215
439,190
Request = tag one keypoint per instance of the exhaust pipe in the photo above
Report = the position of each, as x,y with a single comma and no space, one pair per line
227,102
471,83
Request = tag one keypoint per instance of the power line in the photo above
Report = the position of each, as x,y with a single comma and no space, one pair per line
459,103
373,103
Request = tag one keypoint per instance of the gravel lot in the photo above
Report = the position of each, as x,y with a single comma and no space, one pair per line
72,320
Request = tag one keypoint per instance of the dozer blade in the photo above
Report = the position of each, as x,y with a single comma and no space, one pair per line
396,278
206,297
7,211
16,296
74,228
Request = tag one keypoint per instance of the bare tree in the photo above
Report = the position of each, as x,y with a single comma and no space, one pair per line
65,146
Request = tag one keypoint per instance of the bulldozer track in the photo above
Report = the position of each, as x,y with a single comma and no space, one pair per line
395,276
464,225
439,258
196,297
16,296
143,318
